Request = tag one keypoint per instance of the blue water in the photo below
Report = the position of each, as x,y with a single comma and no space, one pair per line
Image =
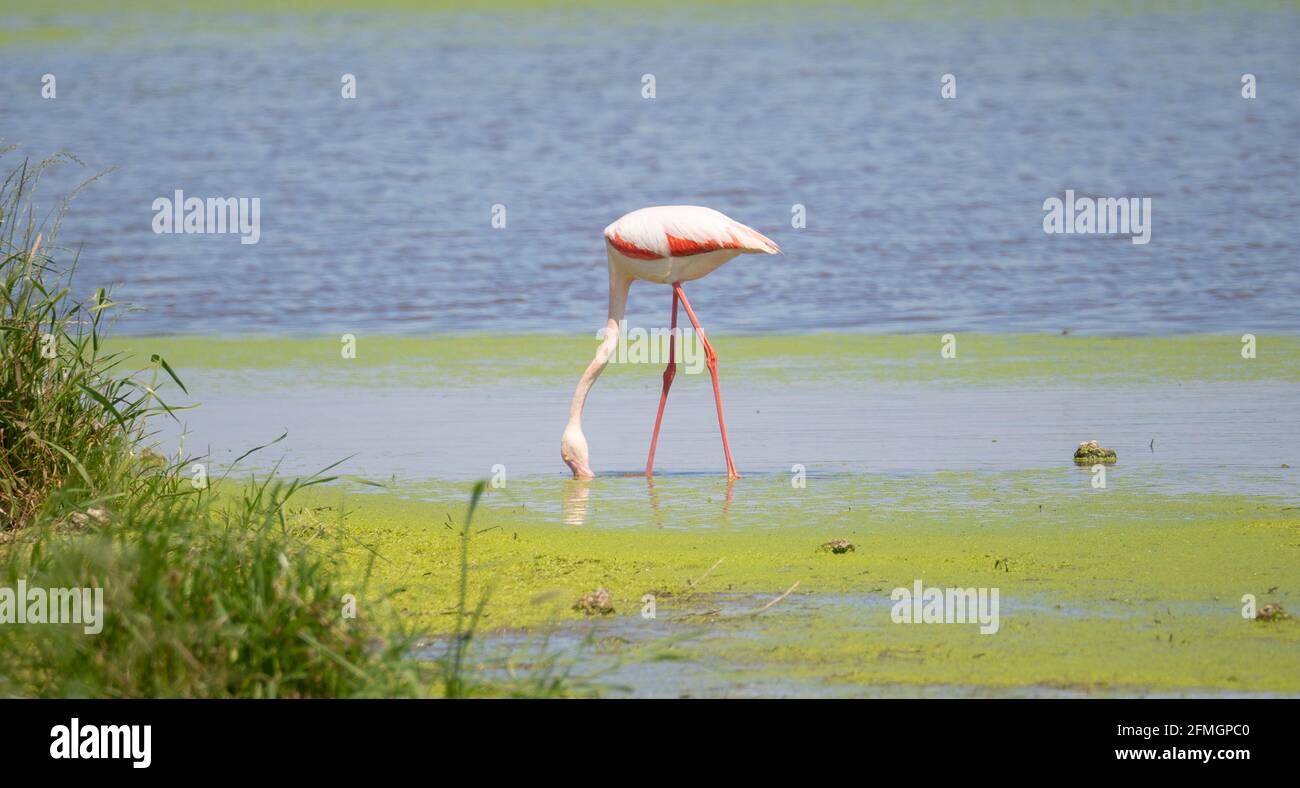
923,214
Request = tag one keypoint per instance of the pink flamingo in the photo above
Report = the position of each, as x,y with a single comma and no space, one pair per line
668,245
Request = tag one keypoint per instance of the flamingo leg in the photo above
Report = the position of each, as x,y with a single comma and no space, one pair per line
712,360
669,373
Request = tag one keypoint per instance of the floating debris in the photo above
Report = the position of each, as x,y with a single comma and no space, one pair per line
596,602
690,584
1271,612
787,593
1091,452
838,546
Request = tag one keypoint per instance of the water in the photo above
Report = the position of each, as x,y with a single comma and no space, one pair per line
922,214
1191,437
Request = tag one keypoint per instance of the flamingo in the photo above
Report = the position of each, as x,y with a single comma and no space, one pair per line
666,245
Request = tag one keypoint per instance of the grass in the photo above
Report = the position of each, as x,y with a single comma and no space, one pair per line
64,417
210,589
201,600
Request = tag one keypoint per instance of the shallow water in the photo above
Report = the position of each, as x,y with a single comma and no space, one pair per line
923,214
1201,437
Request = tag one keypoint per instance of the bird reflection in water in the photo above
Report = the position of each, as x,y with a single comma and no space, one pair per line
577,501
576,495
657,513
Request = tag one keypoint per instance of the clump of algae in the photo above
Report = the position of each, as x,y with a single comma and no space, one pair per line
596,602
1272,612
1092,452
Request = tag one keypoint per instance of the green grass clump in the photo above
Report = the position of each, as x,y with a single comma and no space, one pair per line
201,599
63,417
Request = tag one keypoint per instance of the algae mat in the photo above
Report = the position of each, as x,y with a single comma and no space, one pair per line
1100,590
971,359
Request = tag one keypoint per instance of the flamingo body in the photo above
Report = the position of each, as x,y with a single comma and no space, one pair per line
667,244
679,243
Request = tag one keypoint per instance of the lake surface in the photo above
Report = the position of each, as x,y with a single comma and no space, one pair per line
923,214
1188,437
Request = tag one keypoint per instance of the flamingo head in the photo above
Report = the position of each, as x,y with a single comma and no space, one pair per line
573,450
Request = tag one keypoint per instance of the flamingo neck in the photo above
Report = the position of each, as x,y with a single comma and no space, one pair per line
619,284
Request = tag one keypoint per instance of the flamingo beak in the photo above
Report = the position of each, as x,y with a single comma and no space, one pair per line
580,470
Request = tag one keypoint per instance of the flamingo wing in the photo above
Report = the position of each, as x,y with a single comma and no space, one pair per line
682,231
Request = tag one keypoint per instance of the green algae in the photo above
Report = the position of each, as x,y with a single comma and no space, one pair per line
1000,8
41,35
1090,452
1117,590
89,24
981,359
